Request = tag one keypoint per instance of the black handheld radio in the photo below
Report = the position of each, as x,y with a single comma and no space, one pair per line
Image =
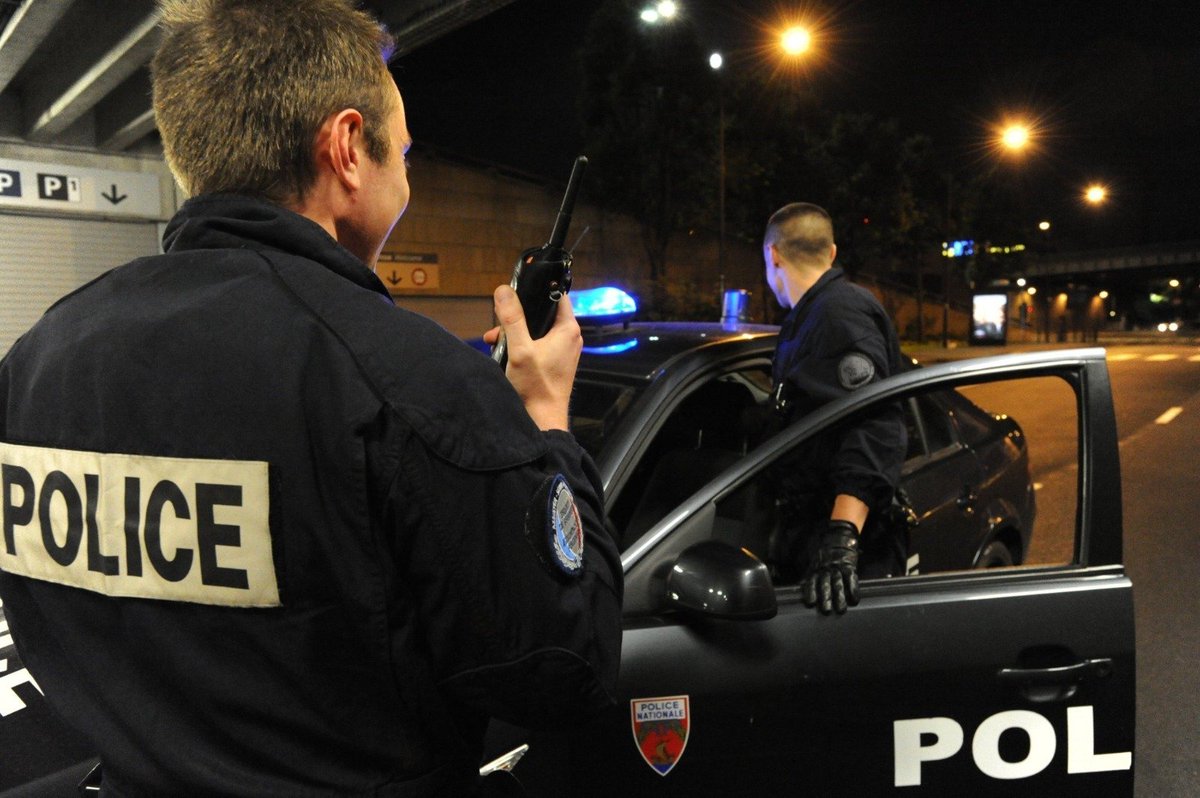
542,276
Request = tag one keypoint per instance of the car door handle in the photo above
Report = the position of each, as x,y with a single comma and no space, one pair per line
1056,683
966,500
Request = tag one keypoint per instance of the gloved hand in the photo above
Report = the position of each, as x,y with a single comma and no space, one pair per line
831,582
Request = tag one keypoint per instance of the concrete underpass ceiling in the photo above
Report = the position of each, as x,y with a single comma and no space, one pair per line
74,72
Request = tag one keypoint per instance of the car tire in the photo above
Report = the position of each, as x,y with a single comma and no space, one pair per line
994,555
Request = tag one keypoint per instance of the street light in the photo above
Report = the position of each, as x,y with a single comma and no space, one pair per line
663,11
1015,137
1095,194
716,61
796,40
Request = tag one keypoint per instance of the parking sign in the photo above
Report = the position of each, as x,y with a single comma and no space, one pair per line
10,183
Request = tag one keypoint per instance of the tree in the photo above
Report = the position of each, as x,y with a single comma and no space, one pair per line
649,120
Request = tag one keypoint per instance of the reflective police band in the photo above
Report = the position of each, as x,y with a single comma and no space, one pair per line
138,526
553,527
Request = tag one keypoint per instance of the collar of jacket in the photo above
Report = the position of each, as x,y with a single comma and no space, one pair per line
798,310
233,221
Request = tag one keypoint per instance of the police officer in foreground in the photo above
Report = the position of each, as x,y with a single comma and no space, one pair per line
838,489
263,532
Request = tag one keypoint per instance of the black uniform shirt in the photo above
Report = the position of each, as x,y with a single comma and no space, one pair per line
267,534
836,339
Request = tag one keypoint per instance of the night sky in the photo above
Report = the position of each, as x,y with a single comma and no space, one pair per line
1112,91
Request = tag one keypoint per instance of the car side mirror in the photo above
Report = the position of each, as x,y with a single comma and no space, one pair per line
714,579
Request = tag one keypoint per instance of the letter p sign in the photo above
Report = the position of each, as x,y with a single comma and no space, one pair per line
58,187
944,738
10,183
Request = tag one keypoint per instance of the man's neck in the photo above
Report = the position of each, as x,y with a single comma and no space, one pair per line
802,279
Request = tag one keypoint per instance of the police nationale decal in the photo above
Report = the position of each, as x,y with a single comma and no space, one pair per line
553,527
143,527
660,730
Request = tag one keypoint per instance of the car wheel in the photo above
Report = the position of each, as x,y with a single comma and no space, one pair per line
994,555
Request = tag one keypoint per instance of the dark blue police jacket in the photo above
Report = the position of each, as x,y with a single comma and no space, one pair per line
266,534
837,339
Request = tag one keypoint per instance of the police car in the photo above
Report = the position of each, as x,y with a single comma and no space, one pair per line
1014,679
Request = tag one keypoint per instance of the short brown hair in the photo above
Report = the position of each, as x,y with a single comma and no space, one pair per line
241,88
800,231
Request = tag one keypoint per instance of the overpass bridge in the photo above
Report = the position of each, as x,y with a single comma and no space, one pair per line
1081,294
1124,265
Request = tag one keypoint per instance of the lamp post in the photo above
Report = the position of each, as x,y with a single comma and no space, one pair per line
716,61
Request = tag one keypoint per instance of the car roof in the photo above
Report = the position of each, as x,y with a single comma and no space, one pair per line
639,350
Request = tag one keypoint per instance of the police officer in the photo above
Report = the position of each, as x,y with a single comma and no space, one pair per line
835,339
264,533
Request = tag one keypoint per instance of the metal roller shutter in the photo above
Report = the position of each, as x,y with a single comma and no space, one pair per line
41,259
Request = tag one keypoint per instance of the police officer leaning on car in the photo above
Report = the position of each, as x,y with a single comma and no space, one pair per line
839,488
264,533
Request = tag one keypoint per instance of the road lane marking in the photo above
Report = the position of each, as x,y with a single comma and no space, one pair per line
1194,358
1169,416
1123,356
1161,358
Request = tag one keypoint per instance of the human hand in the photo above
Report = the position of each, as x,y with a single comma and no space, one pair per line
542,371
831,582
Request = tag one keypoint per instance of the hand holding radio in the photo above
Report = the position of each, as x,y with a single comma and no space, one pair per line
542,275
541,372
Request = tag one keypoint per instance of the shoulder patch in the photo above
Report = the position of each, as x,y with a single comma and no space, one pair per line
553,528
855,370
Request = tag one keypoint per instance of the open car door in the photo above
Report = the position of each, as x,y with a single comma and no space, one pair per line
990,682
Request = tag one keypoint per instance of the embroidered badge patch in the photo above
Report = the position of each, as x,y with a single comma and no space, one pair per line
554,529
855,370
660,730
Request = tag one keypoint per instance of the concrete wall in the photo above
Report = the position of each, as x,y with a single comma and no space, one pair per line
466,225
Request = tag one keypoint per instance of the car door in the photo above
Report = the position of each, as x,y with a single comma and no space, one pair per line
1010,681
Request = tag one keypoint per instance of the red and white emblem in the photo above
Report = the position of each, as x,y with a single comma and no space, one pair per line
660,730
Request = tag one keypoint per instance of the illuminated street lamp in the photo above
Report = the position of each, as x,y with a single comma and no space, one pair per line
1015,137
716,61
1095,194
663,11
796,40
1044,226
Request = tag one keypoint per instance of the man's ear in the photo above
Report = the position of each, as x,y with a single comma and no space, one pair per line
832,252
776,260
340,147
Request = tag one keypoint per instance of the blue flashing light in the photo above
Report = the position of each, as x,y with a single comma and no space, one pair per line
611,349
602,303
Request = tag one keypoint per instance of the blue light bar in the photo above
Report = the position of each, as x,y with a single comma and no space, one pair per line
602,303
611,349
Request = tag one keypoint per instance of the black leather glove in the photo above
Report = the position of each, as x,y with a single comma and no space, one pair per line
831,582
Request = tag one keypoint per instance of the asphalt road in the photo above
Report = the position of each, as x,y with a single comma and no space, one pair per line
1156,394
1162,554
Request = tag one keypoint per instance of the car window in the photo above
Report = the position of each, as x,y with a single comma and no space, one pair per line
912,428
935,421
711,427
1006,499
596,407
